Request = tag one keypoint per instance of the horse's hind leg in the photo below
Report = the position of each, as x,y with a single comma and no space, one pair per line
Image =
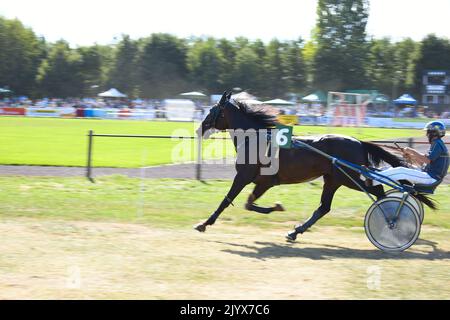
329,189
377,191
259,190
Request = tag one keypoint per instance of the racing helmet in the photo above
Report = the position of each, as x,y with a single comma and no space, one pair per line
435,129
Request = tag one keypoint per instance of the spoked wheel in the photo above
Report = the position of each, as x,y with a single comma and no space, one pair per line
411,200
392,225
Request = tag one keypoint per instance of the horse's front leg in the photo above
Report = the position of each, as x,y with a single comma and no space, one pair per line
239,182
259,190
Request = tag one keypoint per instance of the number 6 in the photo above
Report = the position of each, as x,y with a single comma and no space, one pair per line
281,137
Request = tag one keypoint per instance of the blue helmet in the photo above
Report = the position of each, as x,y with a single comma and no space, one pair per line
435,128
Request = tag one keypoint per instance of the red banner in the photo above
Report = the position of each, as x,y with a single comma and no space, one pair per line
8,111
124,113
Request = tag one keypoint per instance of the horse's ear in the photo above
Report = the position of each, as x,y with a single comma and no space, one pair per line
223,99
229,95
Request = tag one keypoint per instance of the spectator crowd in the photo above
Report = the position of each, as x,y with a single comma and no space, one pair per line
301,109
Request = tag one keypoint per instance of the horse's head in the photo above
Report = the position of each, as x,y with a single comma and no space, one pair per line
217,118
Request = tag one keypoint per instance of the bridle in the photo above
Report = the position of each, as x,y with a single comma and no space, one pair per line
216,112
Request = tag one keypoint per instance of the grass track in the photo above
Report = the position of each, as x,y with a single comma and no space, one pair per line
63,142
182,203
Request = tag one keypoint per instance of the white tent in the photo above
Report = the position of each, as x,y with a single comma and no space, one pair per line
279,102
312,98
193,94
112,93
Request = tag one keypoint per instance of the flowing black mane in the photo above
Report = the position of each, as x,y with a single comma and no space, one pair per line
263,115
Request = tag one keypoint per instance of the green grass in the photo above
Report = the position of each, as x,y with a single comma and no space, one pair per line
181,203
63,142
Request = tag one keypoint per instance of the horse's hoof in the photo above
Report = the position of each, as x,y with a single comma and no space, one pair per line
200,227
291,236
279,207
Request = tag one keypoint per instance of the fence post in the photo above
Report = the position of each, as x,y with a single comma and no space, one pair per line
198,166
411,142
89,156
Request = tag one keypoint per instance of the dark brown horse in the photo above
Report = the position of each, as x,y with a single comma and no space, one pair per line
296,165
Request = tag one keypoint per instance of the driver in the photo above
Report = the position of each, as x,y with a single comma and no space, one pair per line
435,162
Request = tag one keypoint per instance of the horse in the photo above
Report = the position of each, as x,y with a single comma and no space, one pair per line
296,165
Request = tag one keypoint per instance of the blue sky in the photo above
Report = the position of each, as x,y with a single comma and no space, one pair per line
84,22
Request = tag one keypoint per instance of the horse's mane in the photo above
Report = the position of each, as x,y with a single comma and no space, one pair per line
264,115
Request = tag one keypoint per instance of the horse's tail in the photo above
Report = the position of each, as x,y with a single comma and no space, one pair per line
426,200
376,155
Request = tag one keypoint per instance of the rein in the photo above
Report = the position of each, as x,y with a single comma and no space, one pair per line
398,148
215,113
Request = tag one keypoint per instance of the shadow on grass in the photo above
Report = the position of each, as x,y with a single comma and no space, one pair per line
270,250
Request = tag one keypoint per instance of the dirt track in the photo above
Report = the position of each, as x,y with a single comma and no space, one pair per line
96,260
177,171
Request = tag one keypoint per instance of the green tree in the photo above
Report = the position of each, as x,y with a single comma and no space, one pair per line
247,73
381,67
405,55
259,48
390,65
434,54
341,44
274,73
206,64
309,54
59,74
162,66
294,67
228,52
21,52
123,72
90,69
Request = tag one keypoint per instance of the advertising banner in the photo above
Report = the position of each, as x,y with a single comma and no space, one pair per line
51,112
42,112
9,111
288,119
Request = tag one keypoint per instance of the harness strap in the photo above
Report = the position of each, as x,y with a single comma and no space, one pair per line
229,200
353,180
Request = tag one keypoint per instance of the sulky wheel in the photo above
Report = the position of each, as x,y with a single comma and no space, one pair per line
411,200
392,225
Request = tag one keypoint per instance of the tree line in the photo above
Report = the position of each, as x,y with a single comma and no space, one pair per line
339,56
